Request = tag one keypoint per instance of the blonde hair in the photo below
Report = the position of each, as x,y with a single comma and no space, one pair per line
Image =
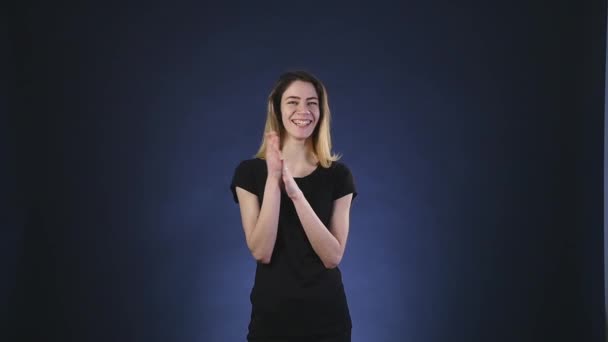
321,136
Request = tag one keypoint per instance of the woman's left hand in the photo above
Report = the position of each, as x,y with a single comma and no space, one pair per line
291,187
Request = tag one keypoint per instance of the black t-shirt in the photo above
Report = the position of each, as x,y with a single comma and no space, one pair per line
295,294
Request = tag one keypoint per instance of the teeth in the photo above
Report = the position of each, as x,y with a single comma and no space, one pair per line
302,122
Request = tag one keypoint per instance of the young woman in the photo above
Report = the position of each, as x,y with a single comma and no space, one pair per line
295,199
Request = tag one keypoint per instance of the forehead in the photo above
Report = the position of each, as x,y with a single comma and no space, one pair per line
300,89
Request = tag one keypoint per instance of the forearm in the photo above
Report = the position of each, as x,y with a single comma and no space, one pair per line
263,237
322,241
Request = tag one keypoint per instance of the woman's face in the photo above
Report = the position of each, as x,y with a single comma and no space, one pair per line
300,109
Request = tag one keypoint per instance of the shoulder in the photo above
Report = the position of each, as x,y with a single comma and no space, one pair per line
339,171
251,168
342,179
247,175
339,168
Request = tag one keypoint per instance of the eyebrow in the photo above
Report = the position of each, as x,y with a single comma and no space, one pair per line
297,97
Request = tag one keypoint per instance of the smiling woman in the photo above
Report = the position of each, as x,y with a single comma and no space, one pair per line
302,113
295,198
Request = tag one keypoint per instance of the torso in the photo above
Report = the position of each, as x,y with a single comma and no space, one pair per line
295,291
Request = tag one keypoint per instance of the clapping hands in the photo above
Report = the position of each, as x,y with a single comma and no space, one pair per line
277,168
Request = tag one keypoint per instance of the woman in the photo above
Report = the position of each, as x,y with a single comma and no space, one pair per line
295,198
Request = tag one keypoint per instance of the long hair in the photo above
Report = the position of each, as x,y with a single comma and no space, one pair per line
321,136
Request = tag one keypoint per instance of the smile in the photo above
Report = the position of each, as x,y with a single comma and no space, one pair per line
301,123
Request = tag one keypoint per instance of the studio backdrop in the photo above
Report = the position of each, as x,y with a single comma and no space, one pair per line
474,133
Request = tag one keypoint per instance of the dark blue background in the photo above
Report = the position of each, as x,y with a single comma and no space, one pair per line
605,194
474,132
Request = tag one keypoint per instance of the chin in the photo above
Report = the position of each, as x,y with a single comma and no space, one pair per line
302,135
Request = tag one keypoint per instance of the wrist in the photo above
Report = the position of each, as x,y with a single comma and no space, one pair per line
274,178
297,196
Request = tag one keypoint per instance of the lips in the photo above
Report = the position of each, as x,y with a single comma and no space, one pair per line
301,122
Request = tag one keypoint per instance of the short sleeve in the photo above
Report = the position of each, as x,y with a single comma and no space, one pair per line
243,177
344,182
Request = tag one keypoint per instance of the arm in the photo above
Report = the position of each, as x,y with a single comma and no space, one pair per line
328,244
261,224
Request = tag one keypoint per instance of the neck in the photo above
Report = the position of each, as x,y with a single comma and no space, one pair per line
297,152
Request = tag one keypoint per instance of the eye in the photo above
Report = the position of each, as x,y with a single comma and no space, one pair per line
292,102
312,103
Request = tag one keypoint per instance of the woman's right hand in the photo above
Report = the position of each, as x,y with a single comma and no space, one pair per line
274,159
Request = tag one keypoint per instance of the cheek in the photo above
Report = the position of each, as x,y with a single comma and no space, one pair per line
284,115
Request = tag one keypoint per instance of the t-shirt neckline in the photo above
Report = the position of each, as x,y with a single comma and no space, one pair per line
310,174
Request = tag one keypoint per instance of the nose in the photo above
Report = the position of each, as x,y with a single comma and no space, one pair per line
302,108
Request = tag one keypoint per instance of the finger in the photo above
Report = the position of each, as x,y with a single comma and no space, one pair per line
286,171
